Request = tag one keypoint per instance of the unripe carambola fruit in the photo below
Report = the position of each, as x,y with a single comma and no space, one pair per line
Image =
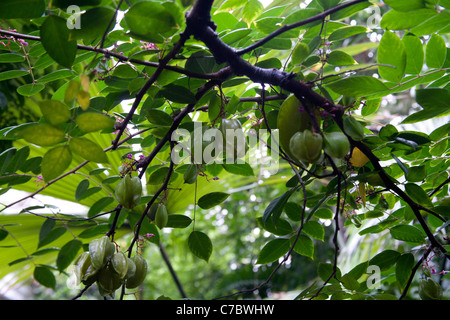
119,264
108,280
290,120
306,146
430,289
336,144
100,251
85,272
353,128
233,142
152,211
161,216
129,191
140,273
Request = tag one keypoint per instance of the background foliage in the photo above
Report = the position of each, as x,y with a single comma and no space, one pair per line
66,130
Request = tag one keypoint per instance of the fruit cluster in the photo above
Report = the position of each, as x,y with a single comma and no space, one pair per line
129,191
303,144
107,268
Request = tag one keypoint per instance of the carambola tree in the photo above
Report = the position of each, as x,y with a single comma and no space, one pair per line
150,113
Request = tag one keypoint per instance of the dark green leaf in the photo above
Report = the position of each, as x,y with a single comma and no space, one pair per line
178,221
212,199
94,23
273,250
276,206
407,233
242,169
404,268
304,246
68,253
45,277
55,39
81,189
51,236
178,94
30,89
17,9
200,245
99,205
385,259
418,194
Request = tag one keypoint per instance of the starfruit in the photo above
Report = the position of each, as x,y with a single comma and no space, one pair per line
161,216
131,268
119,264
336,144
108,280
139,275
129,191
430,289
100,251
306,146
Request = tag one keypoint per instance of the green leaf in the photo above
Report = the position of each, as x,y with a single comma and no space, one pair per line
55,161
242,169
93,121
212,199
315,230
391,51
300,53
276,206
68,253
324,213
405,5
11,57
385,259
273,250
178,221
18,9
407,233
280,228
396,20
55,39
178,94
54,111
200,245
304,246
99,205
328,4
42,134
437,23
81,189
51,236
88,149
346,32
349,282
30,89
340,58
414,54
55,75
434,101
45,277
436,51
418,194
403,269
251,10
358,86
149,19
94,23
325,270
11,74
159,117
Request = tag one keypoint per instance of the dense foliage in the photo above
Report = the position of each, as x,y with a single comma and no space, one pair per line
320,194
